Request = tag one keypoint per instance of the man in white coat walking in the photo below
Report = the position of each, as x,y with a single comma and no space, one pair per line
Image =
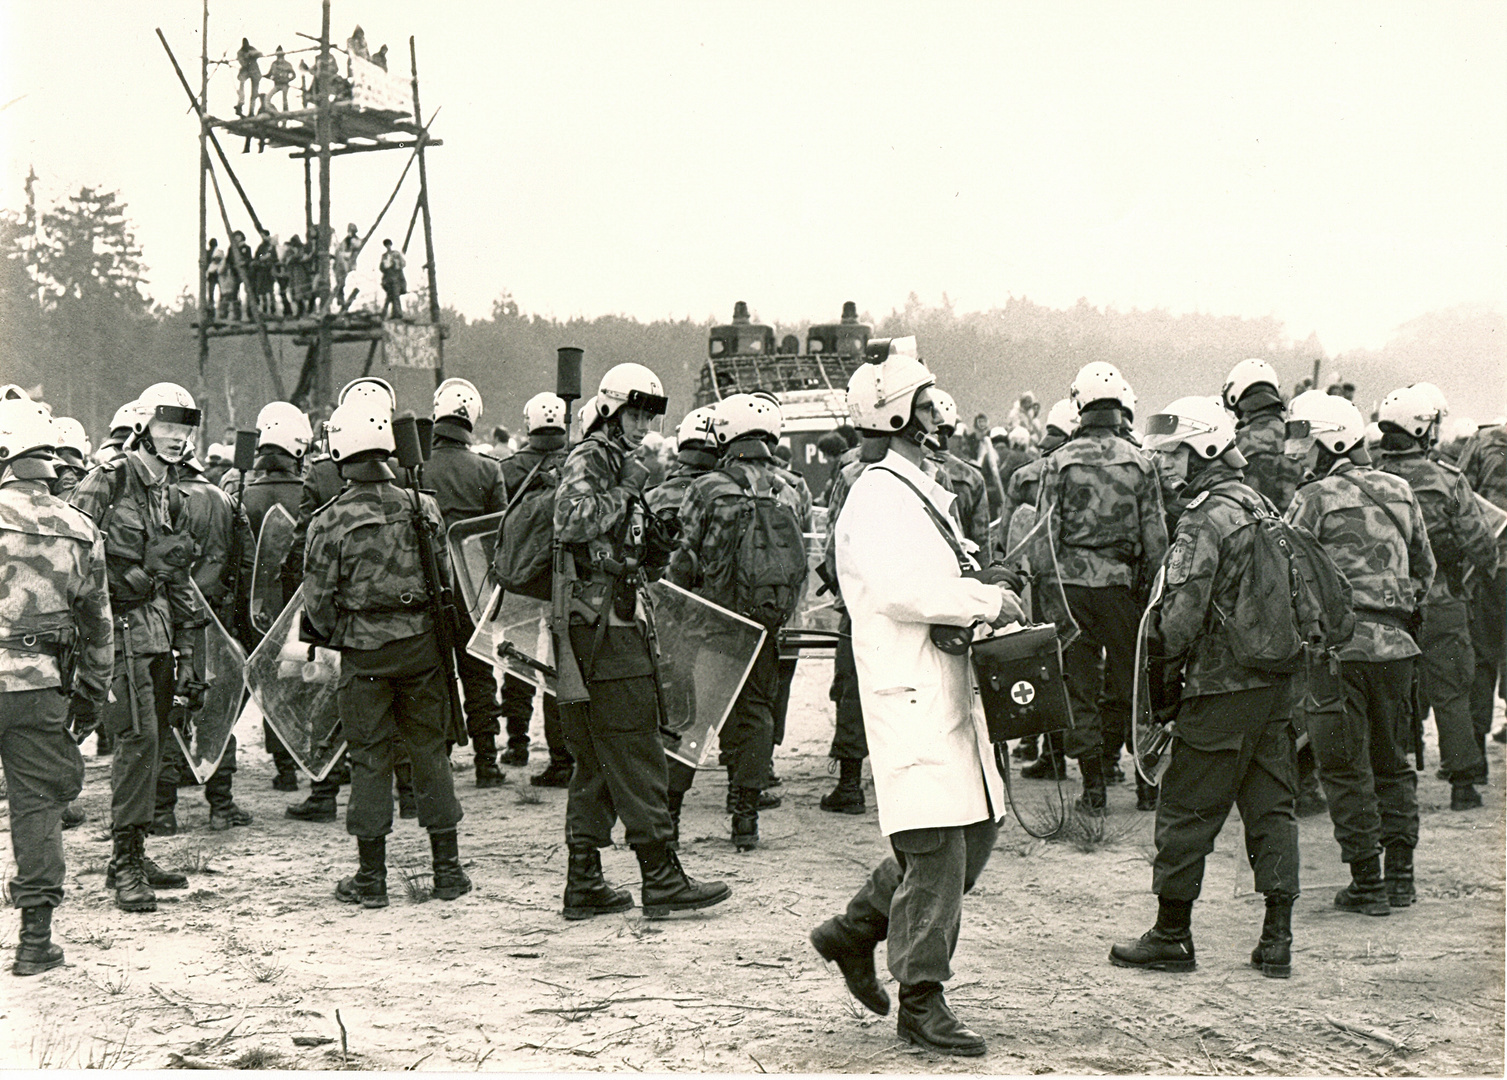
901,564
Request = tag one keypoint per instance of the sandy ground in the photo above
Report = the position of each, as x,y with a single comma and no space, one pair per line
257,965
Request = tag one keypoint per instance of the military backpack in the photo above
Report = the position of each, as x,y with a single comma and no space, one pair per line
763,576
523,558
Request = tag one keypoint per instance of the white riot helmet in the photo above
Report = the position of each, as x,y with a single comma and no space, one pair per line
458,399
697,427
1332,421
125,417
1200,423
544,412
283,425
947,411
167,402
1019,438
741,415
882,393
24,426
66,431
632,386
1411,408
1100,381
1063,416
1246,374
360,424
371,387
586,415
218,453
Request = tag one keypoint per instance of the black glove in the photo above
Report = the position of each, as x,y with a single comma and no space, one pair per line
998,575
83,716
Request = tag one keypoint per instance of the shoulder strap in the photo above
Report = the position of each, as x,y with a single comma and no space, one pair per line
1370,493
943,525
1254,508
518,495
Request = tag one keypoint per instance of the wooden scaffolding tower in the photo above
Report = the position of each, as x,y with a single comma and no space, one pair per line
329,124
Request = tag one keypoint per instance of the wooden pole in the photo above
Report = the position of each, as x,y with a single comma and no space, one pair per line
308,198
204,314
434,292
324,391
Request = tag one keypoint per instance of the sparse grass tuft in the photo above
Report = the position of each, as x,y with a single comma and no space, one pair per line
417,881
114,982
194,858
258,1057
266,971
530,796
101,937
1090,832
106,1054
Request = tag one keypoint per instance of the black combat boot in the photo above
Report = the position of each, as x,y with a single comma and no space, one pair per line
1273,953
586,891
847,796
488,775
317,807
667,888
368,887
556,774
36,953
104,744
1464,796
286,778
851,948
164,824
1399,876
73,815
1145,794
516,754
156,876
450,881
674,800
126,875
926,1021
402,774
745,818
1367,892
1051,765
1167,946
766,800
1093,801
1027,749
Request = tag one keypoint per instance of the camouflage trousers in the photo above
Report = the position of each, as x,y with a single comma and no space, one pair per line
1363,759
43,774
1236,750
914,898
138,754
1448,667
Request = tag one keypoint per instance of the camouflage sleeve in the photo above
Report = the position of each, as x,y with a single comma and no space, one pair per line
321,573
684,569
589,503
211,568
1153,521
1478,547
1421,565
1192,562
441,549
92,495
977,529
1306,513
96,626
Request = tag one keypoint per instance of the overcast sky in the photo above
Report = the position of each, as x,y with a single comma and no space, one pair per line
1341,167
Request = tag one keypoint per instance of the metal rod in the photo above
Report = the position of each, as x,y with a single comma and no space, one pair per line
323,126
204,315
434,289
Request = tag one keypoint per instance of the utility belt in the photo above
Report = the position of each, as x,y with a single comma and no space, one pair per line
1402,620
61,643
1112,553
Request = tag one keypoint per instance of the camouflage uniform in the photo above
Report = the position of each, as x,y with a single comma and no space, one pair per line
620,762
221,536
70,469
1107,534
1260,437
709,537
469,485
365,594
971,507
1234,742
155,611
54,561
518,695
1484,463
1362,728
1459,539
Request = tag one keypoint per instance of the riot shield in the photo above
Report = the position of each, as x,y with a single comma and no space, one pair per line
209,728
1150,739
814,625
471,543
295,686
705,655
512,635
272,547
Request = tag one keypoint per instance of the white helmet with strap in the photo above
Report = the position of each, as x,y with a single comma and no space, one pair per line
125,417
882,393
1410,408
947,411
544,412
630,386
368,386
458,399
24,426
66,431
1063,416
362,423
587,416
166,402
283,425
1246,374
1199,423
743,415
1333,421
1101,381
697,427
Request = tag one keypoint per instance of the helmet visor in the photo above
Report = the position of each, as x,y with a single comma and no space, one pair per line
174,414
1165,430
653,404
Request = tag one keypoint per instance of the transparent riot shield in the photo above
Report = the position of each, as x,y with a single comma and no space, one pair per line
272,547
512,634
1150,735
705,655
471,543
209,728
295,685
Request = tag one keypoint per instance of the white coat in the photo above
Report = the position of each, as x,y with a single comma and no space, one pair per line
928,742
